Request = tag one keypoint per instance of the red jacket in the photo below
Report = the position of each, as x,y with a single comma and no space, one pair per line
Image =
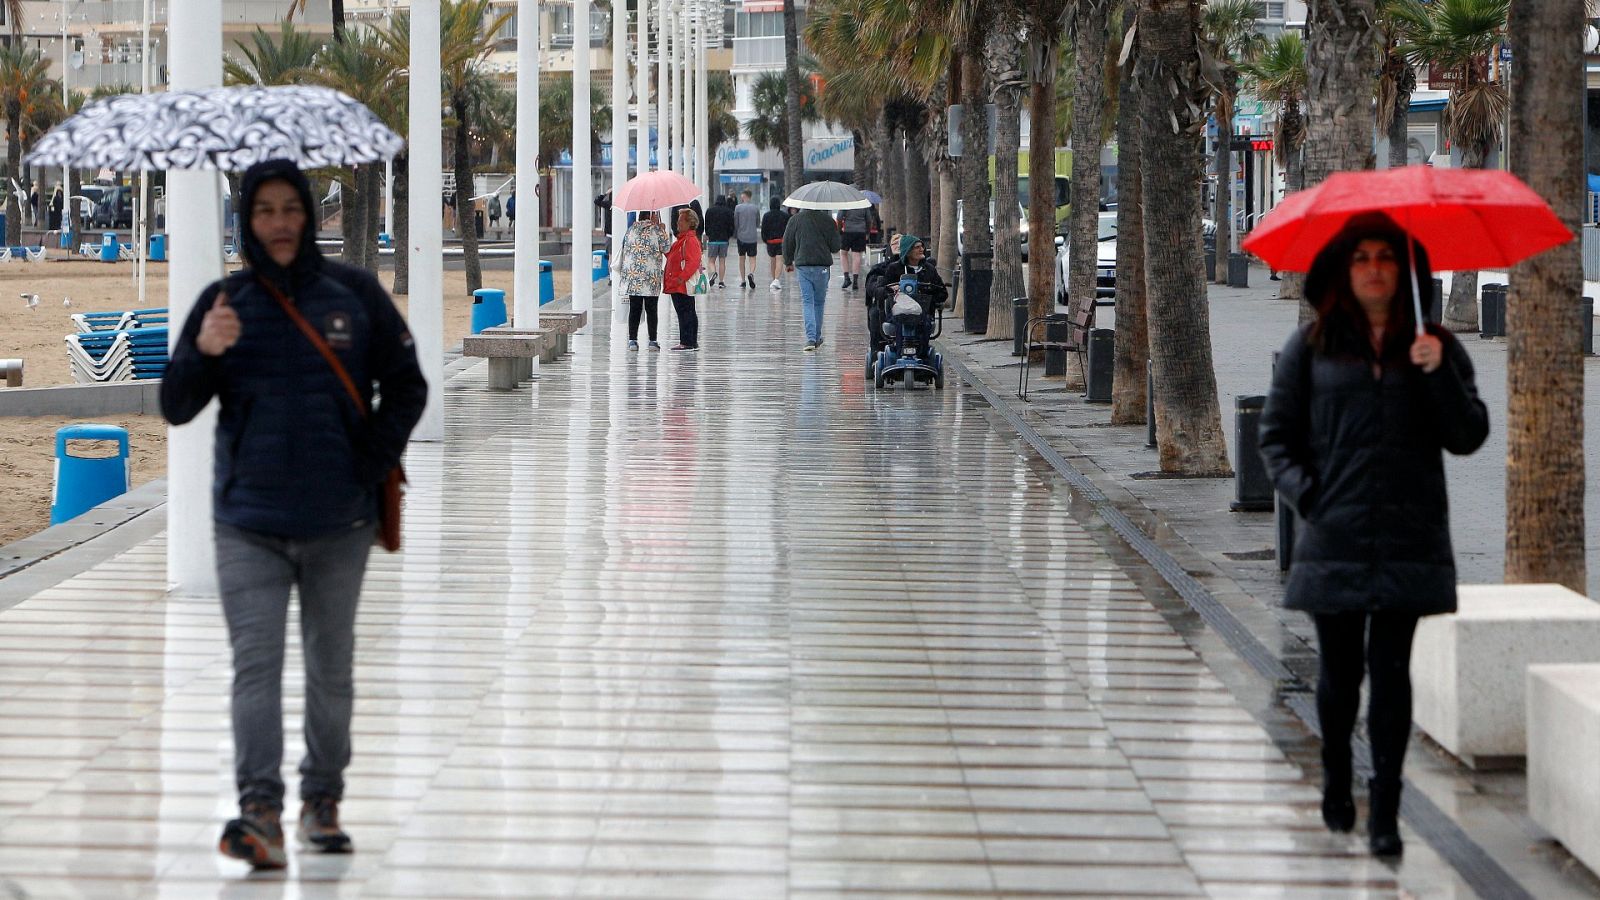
683,261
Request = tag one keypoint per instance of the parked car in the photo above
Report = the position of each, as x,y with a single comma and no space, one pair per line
115,209
960,236
1105,279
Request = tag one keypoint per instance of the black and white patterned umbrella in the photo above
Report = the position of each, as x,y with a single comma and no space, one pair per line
228,129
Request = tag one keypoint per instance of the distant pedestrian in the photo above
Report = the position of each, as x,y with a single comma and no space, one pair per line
683,263
494,212
747,232
773,225
33,205
853,226
719,232
809,243
642,264
1353,434
511,211
54,223
297,487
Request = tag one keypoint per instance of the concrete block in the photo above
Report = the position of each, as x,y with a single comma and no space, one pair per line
1563,723
84,400
1467,669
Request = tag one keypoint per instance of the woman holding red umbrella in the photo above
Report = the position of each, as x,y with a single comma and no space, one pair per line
1363,405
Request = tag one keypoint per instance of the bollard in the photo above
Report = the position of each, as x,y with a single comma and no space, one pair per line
82,483
1504,292
1057,330
547,282
11,370
1210,243
1102,365
1492,309
975,293
1587,326
1238,270
1150,403
1252,490
1436,305
1286,528
1019,326
488,309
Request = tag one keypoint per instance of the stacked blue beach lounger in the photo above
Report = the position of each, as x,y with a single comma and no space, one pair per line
118,346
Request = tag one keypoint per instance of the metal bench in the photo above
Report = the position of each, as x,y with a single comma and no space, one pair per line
1079,324
510,354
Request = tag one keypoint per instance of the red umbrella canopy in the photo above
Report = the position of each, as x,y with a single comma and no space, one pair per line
1466,218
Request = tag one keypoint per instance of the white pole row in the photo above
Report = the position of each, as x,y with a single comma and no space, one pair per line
525,269
619,128
582,161
426,235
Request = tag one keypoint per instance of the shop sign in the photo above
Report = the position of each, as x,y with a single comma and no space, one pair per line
831,154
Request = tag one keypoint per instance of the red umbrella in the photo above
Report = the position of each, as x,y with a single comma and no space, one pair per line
1466,218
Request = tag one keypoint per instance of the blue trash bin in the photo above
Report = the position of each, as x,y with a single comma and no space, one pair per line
600,267
158,247
108,247
384,240
488,309
547,282
82,483
66,240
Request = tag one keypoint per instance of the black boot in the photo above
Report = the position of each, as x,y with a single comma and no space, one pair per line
1338,807
1383,825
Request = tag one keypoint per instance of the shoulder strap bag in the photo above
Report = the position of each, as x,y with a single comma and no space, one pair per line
393,490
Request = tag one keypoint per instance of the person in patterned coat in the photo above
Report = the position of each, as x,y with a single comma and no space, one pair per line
642,262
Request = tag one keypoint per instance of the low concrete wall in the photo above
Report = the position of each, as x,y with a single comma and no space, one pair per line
80,400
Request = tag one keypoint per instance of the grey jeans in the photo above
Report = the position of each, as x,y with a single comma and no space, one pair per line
254,573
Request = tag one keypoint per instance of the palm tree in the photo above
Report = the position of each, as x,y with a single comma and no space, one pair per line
794,170
1231,39
769,128
721,126
1459,38
1046,22
396,51
1544,359
1088,104
1129,381
283,59
359,67
1401,20
1002,58
1341,57
26,93
1278,75
468,30
1189,430
555,117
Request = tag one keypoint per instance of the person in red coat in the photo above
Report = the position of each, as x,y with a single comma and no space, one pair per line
683,263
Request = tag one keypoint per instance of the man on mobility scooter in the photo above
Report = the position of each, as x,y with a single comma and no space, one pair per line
903,295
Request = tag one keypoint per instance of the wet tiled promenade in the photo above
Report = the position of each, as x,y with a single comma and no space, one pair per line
715,625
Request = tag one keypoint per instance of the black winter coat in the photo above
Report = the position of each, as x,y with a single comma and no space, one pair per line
719,223
1359,458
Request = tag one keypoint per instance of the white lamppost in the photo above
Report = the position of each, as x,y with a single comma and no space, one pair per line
426,232
194,211
669,45
682,121
691,18
641,90
702,108
619,128
582,162
663,157
525,241
141,240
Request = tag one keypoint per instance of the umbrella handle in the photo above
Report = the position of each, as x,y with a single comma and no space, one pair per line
1416,292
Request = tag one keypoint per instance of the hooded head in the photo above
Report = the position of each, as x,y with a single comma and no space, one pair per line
908,241
1341,323
265,234
774,204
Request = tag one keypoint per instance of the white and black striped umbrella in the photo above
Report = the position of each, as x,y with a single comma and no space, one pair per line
227,129
827,195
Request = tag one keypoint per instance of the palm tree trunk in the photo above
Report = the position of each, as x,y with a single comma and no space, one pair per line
349,216
974,171
1223,168
1405,82
1341,58
919,192
464,221
374,209
13,166
949,186
1088,103
1461,307
894,180
1130,377
1041,197
69,212
1009,282
1544,356
793,158
935,207
401,239
1189,428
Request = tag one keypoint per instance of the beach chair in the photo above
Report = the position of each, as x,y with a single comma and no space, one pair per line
5,254
35,254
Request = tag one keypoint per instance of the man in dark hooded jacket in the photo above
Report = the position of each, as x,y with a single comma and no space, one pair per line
296,488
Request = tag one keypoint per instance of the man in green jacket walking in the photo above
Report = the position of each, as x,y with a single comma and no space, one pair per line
809,244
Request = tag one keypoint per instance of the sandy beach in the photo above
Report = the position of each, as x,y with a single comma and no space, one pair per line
37,336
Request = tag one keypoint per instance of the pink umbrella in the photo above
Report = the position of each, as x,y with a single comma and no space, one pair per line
655,190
